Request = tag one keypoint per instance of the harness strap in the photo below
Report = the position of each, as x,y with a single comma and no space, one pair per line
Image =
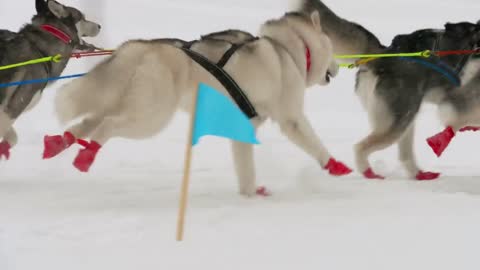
230,52
227,81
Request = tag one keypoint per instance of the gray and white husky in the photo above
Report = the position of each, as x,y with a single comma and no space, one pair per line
347,37
55,29
392,90
135,93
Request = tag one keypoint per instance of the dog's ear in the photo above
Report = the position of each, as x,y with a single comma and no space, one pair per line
41,6
450,27
57,9
316,20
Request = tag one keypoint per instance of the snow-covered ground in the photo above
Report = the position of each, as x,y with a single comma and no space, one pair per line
122,215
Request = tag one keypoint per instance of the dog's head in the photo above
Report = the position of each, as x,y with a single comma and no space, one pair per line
322,50
460,36
52,12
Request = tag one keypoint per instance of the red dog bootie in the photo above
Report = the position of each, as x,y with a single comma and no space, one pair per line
5,150
263,192
474,129
370,174
440,142
337,168
54,145
427,176
86,157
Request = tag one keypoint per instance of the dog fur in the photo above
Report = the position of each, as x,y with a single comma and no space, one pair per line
135,93
31,42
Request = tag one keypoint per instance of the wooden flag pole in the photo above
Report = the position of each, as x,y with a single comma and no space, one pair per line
186,173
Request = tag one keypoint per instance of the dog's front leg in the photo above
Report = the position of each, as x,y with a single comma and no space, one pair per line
245,168
8,134
301,133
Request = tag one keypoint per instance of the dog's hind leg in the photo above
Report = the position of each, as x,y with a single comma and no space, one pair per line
300,132
123,126
376,141
108,128
407,157
54,145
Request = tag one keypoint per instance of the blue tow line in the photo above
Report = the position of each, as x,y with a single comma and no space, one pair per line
5,85
450,75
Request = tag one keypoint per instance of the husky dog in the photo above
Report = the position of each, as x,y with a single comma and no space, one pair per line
347,37
459,109
138,90
393,90
55,29
6,35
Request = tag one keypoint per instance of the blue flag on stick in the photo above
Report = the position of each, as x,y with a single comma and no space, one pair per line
216,115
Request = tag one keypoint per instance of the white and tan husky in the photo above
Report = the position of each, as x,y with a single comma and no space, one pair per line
135,93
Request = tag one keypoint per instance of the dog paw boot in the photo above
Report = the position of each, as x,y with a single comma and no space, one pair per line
474,129
263,192
440,142
54,145
369,174
337,168
5,150
86,156
427,176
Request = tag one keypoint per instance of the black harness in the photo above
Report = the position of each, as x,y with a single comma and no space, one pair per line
216,69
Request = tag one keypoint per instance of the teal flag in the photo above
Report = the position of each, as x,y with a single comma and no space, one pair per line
216,115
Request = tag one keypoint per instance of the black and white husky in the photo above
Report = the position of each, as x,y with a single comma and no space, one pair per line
392,90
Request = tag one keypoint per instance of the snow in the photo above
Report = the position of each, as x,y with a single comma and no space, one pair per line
122,215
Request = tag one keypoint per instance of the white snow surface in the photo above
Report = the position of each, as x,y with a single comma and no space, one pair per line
122,215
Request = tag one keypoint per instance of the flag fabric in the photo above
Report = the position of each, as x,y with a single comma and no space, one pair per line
216,115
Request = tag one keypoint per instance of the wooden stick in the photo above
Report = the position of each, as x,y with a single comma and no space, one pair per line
186,173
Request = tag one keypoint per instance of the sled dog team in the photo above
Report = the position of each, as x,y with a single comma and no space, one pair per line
135,93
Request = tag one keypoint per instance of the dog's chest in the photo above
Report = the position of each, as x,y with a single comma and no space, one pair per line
471,71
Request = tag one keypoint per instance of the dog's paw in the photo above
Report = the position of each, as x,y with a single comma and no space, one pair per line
370,174
254,192
5,150
54,145
473,129
263,192
337,168
86,156
427,176
440,142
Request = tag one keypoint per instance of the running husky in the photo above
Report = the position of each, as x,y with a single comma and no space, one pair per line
392,90
56,29
347,37
138,90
